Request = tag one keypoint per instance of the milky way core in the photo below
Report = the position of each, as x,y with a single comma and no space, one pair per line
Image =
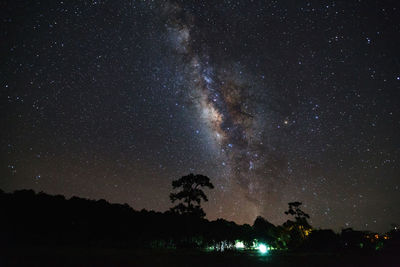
230,108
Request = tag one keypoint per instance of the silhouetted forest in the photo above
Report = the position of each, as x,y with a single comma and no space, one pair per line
31,218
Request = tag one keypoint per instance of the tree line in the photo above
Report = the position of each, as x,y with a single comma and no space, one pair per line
42,219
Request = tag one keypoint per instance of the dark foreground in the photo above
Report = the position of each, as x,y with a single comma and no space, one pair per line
64,256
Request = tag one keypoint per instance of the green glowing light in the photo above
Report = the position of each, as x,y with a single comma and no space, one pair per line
239,244
263,248
210,248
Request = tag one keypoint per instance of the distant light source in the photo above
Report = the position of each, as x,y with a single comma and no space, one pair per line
239,244
263,248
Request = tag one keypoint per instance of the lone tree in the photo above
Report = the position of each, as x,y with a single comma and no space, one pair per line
190,194
301,224
294,210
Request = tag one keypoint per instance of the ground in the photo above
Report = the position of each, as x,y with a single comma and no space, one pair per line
67,256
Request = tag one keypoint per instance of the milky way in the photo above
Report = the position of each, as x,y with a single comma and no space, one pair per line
225,102
275,101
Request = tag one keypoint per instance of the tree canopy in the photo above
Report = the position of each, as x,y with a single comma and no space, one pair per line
191,194
294,210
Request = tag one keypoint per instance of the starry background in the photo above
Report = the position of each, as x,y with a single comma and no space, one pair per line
275,101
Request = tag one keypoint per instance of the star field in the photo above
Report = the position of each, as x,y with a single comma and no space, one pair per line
275,101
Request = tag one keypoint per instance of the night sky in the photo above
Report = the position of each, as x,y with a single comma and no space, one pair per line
275,101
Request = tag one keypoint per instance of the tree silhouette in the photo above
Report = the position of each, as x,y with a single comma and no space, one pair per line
265,231
190,194
262,225
294,210
300,228
39,219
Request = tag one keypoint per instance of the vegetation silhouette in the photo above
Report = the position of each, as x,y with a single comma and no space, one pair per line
191,194
39,219
298,229
294,210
